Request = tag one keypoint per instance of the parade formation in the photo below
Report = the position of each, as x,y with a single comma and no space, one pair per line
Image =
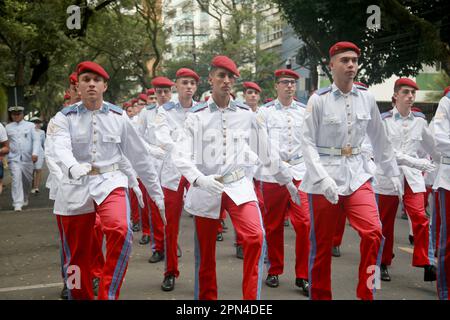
115,170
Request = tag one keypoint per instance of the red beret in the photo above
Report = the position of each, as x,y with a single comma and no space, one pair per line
252,85
73,78
162,82
151,92
446,90
416,109
286,73
268,100
360,84
142,96
406,82
133,101
185,72
89,66
342,47
225,63
127,104
66,96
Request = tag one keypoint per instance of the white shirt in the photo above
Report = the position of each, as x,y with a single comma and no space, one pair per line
23,141
442,138
284,128
100,138
335,119
3,136
408,135
217,141
169,125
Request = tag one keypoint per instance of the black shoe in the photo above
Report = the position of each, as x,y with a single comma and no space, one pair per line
272,281
384,274
64,292
168,283
95,282
179,252
335,251
303,284
239,252
136,227
429,273
286,223
411,239
219,236
145,239
156,257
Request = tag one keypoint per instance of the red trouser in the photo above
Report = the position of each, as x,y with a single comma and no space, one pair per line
77,233
414,208
141,214
278,204
339,230
247,221
361,210
174,206
98,261
443,265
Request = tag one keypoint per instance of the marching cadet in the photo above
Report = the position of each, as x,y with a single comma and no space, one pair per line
151,96
90,139
37,173
212,155
4,150
24,151
337,119
169,124
284,120
408,132
442,186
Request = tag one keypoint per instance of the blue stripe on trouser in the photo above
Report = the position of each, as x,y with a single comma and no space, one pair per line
197,261
433,224
265,212
441,275
313,248
121,264
68,256
152,231
380,251
261,257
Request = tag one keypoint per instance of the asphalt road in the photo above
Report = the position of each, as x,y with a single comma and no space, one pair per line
30,262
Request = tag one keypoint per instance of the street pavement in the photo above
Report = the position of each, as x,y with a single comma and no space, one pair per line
30,262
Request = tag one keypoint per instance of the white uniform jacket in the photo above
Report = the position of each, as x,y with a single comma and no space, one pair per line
219,141
100,138
24,141
169,125
442,138
337,120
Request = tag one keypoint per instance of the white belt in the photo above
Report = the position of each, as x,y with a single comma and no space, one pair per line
233,176
445,160
294,161
346,151
96,170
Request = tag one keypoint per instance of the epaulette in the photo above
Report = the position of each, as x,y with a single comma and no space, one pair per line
301,105
268,104
322,91
115,109
387,114
360,87
69,109
241,105
198,107
150,106
419,114
169,105
448,95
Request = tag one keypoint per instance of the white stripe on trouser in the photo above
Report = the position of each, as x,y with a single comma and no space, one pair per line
22,176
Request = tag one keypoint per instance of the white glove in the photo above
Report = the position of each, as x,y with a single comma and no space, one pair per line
293,192
162,210
424,165
210,183
134,184
329,190
156,152
79,170
398,187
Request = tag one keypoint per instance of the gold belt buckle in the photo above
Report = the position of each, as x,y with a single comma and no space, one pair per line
93,172
346,151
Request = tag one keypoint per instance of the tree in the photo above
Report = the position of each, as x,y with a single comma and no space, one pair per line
412,33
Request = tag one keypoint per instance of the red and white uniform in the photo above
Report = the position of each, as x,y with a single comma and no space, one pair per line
334,129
